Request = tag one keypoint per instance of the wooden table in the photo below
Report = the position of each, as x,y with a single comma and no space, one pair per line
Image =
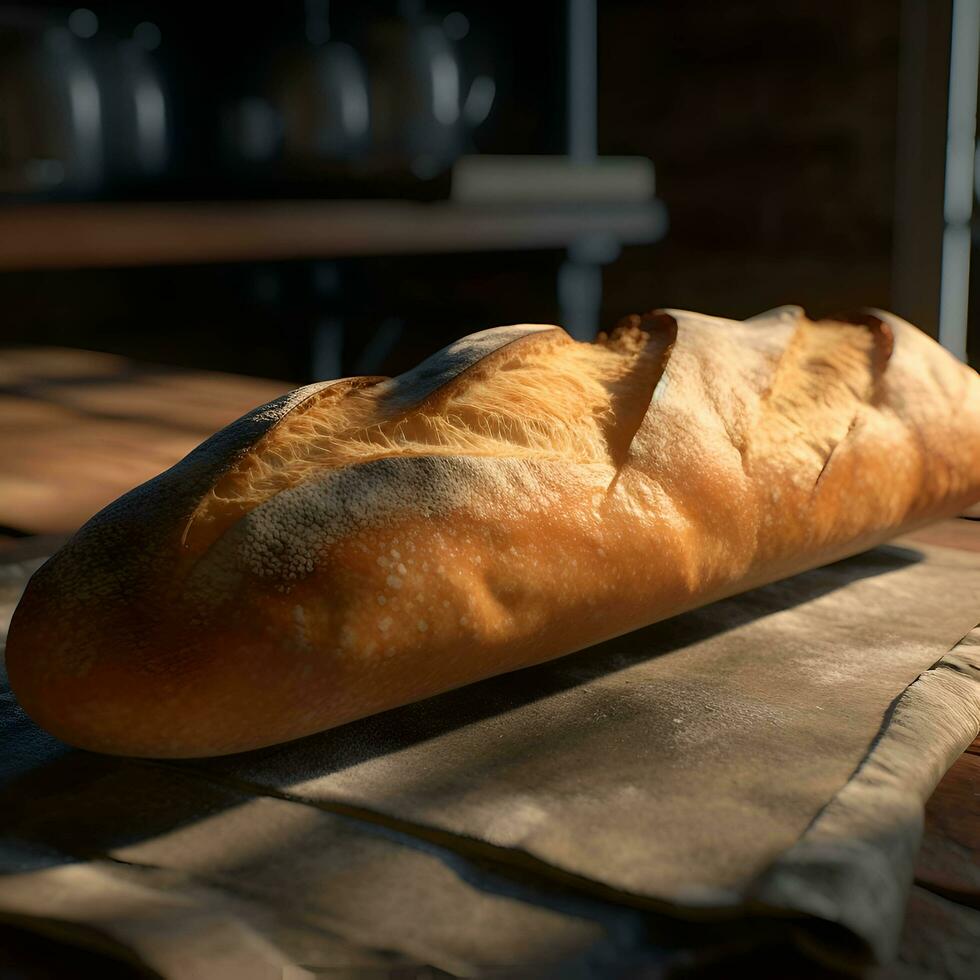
79,428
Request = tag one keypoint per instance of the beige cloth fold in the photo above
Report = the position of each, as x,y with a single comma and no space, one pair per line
762,762
675,763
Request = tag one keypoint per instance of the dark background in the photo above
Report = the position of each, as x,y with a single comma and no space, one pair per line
776,133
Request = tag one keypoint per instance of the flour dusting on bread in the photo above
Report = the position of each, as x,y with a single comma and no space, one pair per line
825,380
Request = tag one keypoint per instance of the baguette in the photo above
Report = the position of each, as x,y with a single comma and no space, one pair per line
364,543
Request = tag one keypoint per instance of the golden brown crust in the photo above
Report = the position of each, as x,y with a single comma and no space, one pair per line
204,527
515,498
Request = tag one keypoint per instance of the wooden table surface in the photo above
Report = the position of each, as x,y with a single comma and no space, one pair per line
79,428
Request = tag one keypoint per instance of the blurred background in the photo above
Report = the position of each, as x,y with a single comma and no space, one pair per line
304,190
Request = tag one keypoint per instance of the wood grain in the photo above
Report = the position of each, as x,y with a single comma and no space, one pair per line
949,861
952,533
79,428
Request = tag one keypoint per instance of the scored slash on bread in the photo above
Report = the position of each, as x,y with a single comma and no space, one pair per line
524,391
367,542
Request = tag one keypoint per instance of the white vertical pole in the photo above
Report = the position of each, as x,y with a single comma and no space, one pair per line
580,276
582,81
960,159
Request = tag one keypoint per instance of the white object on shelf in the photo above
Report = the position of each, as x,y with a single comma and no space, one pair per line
552,180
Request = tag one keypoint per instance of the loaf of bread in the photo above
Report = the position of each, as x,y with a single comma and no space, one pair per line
364,543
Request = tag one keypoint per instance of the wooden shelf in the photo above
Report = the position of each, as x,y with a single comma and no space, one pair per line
103,235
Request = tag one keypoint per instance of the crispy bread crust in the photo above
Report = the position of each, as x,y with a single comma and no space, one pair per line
708,456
